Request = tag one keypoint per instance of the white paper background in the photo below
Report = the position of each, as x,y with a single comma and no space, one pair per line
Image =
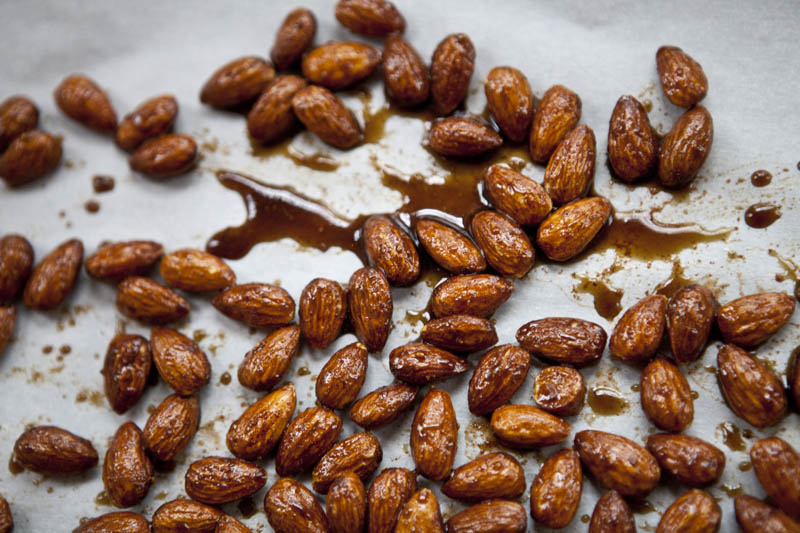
599,49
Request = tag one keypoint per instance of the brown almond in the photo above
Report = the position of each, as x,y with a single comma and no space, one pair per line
260,305
258,430
196,271
145,300
794,382
695,511
179,360
342,377
82,100
420,364
682,78
346,504
618,462
493,516
751,390
127,472
151,119
306,439
8,320
489,476
326,116
777,467
497,376
294,36
369,300
272,117
692,461
122,522
50,449
322,310
686,147
638,333
755,516
237,82
506,247
560,390
451,69
460,333
165,156
228,524
291,507
666,396
54,277
612,515
383,405
18,114
30,156
218,480
389,492
632,142
556,490
171,426
420,513
570,170
690,315
125,370
119,260
526,426
434,435
558,112
179,516
373,18
264,366
16,263
477,295
449,248
360,453
405,75
520,197
462,137
750,320
563,340
390,249
339,64
568,230
510,100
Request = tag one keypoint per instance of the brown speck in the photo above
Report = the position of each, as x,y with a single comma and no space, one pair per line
47,349
62,214
102,498
150,409
303,371
92,206
102,183
36,376
65,349
225,378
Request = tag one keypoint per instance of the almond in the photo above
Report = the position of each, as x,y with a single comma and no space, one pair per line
632,142
510,101
272,117
560,390
322,310
8,320
294,37
50,449
497,376
260,305
451,69
752,319
83,101
526,426
563,340
638,333
750,389
218,480
682,78
420,513
258,430
325,115
692,461
166,156
237,82
477,295
179,516
666,397
556,490
618,462
390,249
373,18
30,156
17,115
16,262
612,515
339,64
383,405
127,472
462,137
420,364
520,197
54,277
489,476
694,511
228,524
755,516
126,370
291,507
794,382
570,170
346,504
151,119
690,315
506,247
568,230
492,516
369,300
119,260
777,467
360,453
265,365
389,492
145,300
196,271
460,333
558,112
306,439
449,248
342,377
686,147
171,426
123,521
405,75
434,435
179,360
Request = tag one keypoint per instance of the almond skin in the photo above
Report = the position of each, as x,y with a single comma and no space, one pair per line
54,277
50,449
690,315
342,377
451,69
570,171
373,18
179,360
228,524
460,333
750,320
694,511
405,75
294,37
391,249
258,430
490,476
560,390
125,370
477,295
632,143
369,300
291,507
755,516
420,364
685,148
682,78
558,112
360,453
83,101
526,426
638,333
777,467
196,271
692,461
449,248
166,156
30,156
123,521
178,516
306,439
16,262
322,310
506,247
618,462
272,117
462,137
346,504
509,97
383,405
498,375
8,320
568,230
339,64
127,472
556,490
434,435
116,261
563,340
218,480
420,513
389,492
260,305
520,197
490,516
171,426
612,515
150,119
145,300
750,389
237,82
666,396
18,114
325,115
265,365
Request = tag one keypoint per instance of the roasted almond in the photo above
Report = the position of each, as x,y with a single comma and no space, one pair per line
632,142
558,112
389,492
369,300
666,396
568,230
794,382
306,439
228,524
556,490
405,75
50,449
258,430
195,271
360,453
686,147
145,300
462,137
460,333
171,426
755,516
434,435
218,480
16,262
419,364
179,360
322,310
526,426
751,390
30,156
373,18
449,248
325,115
82,100
119,260
750,320
520,197
570,170
492,516
777,467
54,277
477,295
18,114
125,370
8,320
339,64
272,117
165,156
489,476
506,247
612,515
451,69
237,82
510,100
420,513
291,507
260,305
560,390
383,405
263,367
690,315
122,521
692,461
294,37
342,377
682,78
638,333
346,504
563,340
498,375
127,472
694,511
179,516
150,119
390,249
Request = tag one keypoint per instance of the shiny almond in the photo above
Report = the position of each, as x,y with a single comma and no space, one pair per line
560,390
449,248
570,170
179,516
340,64
16,262
632,142
462,137
272,117
451,69
179,360
777,467
196,271
306,439
151,119
556,490
218,480
682,78
122,521
322,311
342,377
18,114
165,156
666,396
360,453
324,114
50,449
258,430
686,147
526,426
752,319
506,247
520,197
612,515
346,504
294,36
497,377
692,461
82,100
489,476
420,364
638,333
563,340
119,260
8,321
420,513
434,435
490,516
170,427
125,370
145,300
477,295
510,100
32,155
755,516
291,507
405,75
237,82
264,366
260,305
54,277
390,249
383,405
694,511
369,300
690,315
127,471
460,333
558,112
373,18
568,230
388,493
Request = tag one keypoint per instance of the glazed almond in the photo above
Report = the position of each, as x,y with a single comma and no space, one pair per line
405,75
16,262
477,295
373,18
449,248
339,64
263,367
165,156
145,300
510,101
260,305
558,112
171,426
685,148
560,390
692,461
218,480
294,37
690,315
556,490
451,69
322,310
666,396
383,405
526,426
228,524
420,513
272,117
32,155
178,516
125,370
306,439
83,101
570,170
346,504
291,507
342,377
122,521
179,360
755,516
694,511
520,197
50,449
258,430
389,492
119,260
8,320
390,249
196,271
237,82
498,375
506,247
18,114
150,119
638,333
632,143
460,333
563,340
750,389
682,78
489,476
127,472
369,300
360,453
420,364
750,320
568,230
462,137
325,115
612,515
794,381
777,467
434,435
490,516
54,277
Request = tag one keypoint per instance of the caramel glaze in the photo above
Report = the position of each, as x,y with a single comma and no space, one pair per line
762,215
